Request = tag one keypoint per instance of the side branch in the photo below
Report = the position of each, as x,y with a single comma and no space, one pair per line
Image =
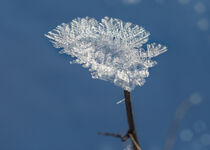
134,142
123,138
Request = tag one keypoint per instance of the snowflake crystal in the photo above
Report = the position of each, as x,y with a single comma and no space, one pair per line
111,49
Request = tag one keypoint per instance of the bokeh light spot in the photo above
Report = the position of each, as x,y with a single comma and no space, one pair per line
186,135
203,24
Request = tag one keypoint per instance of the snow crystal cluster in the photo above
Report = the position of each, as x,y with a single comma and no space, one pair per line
111,49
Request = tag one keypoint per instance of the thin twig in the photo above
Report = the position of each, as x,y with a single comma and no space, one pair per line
123,138
134,141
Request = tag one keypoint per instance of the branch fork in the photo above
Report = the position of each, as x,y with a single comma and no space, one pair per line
131,133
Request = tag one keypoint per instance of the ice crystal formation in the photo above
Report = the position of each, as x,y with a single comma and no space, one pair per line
111,49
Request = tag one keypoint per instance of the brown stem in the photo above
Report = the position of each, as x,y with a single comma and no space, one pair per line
134,142
131,124
131,131
123,138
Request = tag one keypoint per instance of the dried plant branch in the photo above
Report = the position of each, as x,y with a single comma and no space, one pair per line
112,51
123,138
130,118
134,141
132,130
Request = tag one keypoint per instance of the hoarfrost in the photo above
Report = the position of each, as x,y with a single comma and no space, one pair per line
111,49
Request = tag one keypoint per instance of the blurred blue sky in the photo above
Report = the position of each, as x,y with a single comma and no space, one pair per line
48,104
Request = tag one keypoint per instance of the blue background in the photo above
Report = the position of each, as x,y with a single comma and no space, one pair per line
48,104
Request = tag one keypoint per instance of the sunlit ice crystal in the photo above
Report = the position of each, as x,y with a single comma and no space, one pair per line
111,49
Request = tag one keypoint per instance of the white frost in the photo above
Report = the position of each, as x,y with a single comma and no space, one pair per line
111,49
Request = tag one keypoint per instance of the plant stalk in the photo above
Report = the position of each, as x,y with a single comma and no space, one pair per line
129,111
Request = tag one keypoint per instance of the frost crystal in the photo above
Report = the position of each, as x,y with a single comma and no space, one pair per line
111,49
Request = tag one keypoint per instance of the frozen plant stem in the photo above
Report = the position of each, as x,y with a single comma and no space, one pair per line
112,51
129,111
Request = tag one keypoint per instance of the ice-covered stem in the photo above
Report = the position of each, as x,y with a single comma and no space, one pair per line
129,111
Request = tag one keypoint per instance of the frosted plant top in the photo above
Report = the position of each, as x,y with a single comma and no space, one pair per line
111,49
